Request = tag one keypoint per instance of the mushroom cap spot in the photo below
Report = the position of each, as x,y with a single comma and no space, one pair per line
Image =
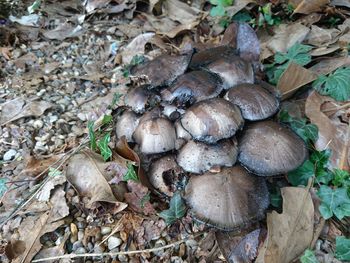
192,87
212,120
126,125
267,148
227,200
162,70
137,99
198,157
155,135
255,102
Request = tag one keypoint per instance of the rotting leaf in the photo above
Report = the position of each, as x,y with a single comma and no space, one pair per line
342,248
177,209
138,198
310,6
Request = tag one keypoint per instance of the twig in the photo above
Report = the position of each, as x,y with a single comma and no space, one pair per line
112,254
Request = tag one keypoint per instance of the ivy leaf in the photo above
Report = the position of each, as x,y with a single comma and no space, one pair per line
218,10
301,175
242,17
176,210
334,201
341,178
131,174
276,199
336,85
104,148
107,119
309,257
342,248
92,135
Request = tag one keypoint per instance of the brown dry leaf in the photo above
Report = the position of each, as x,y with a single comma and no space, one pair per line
180,12
87,172
332,133
291,232
238,6
45,192
294,77
54,251
34,166
321,51
59,205
63,31
15,109
321,37
6,52
138,198
285,37
310,6
327,66
91,5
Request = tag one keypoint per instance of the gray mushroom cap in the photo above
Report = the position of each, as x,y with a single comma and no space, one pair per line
212,120
199,157
126,125
267,148
255,102
227,200
137,99
155,135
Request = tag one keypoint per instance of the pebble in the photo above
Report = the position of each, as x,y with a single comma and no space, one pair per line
114,242
53,118
9,155
76,245
105,230
80,235
38,124
82,116
80,250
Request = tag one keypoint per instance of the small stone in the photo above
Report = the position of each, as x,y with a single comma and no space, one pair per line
38,124
53,118
80,235
80,250
105,230
76,245
9,155
114,242
82,116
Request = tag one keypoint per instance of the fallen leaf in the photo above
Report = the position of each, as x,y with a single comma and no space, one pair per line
294,77
321,51
327,66
32,20
137,198
180,12
45,192
63,31
345,3
6,52
59,205
332,133
34,166
289,233
91,5
310,6
247,249
321,37
237,6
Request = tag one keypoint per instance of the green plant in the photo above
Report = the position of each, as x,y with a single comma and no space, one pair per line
298,54
102,144
136,60
218,8
308,257
131,174
177,209
266,17
342,248
243,16
35,6
335,201
335,85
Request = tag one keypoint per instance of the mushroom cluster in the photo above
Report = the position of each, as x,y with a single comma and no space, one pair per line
200,116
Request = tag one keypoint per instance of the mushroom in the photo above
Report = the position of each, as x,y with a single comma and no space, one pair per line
162,70
268,148
227,200
198,157
172,112
207,56
212,120
193,87
137,99
155,135
126,125
182,136
255,102
165,174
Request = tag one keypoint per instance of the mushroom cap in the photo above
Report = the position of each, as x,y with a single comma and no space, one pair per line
212,120
227,200
126,125
164,174
199,157
137,99
155,135
207,56
267,148
255,102
162,70
192,87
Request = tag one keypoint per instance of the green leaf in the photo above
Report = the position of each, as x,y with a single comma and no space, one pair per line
217,11
242,16
35,6
334,201
342,248
225,3
107,119
177,209
341,178
104,148
3,186
131,174
309,257
92,135
336,85
276,199
301,175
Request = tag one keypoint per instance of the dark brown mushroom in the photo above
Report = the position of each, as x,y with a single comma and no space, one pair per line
162,70
255,102
207,56
268,148
199,157
126,125
164,174
227,200
193,87
212,120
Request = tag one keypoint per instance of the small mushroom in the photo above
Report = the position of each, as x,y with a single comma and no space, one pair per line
137,99
193,87
227,200
207,56
212,120
155,135
164,174
198,157
162,70
255,102
126,125
268,148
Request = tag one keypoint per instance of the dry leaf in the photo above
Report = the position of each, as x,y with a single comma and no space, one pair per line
137,198
34,166
87,172
59,205
345,3
91,5
321,51
310,6
294,77
327,66
291,232
180,12
238,6
44,194
321,37
63,31
332,133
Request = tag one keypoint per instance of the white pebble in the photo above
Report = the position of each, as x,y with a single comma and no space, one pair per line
114,242
9,155
38,124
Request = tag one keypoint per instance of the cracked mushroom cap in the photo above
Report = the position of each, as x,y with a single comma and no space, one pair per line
193,87
255,102
267,148
155,135
227,200
126,125
212,120
199,157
